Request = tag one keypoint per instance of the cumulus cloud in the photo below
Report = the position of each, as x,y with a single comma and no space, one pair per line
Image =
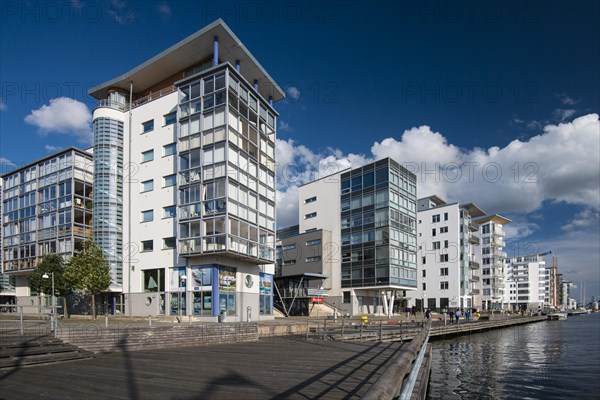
284,126
520,230
583,220
561,164
292,93
64,116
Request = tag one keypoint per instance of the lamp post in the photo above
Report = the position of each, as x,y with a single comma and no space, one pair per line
182,280
319,297
53,310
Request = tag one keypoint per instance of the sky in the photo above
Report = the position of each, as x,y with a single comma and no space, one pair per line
491,103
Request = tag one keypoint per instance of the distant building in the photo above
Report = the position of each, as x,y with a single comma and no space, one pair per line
564,293
525,283
448,261
491,231
47,208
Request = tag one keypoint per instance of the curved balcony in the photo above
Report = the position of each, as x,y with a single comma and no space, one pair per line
117,105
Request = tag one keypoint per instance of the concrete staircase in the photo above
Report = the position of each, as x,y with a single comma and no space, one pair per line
20,351
130,338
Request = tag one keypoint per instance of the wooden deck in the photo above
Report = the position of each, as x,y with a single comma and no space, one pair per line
275,368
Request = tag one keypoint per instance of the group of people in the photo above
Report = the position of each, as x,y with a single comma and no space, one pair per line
458,313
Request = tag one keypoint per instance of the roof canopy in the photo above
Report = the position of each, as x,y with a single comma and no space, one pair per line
189,52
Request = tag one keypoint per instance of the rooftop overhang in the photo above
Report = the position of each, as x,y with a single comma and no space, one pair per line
473,210
306,275
499,219
189,52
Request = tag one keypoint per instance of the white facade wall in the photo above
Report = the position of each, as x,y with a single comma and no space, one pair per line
525,283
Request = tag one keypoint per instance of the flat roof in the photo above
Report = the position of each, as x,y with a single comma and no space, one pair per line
436,199
473,210
189,52
55,154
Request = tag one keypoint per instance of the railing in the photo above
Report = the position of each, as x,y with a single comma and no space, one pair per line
400,376
117,105
474,239
473,227
474,279
473,265
474,292
153,96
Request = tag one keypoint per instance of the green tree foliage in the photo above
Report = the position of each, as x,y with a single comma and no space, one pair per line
51,263
89,271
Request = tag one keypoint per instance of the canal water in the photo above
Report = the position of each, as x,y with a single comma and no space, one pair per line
544,360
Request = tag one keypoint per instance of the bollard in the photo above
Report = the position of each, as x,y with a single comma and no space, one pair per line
106,321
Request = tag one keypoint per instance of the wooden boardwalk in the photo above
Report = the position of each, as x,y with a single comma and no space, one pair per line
273,368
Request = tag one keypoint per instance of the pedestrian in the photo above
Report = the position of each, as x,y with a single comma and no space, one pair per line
407,310
457,315
413,311
467,315
428,313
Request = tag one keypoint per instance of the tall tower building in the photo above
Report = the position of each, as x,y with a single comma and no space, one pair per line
185,180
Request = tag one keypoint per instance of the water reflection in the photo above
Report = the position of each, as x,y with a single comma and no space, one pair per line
546,360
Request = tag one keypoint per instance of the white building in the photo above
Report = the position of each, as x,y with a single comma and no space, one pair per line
526,283
185,183
493,275
448,261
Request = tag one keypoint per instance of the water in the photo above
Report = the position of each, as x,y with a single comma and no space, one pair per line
544,360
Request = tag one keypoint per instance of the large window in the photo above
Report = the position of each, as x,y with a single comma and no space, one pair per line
170,149
266,294
169,212
169,243
227,290
170,118
154,280
169,180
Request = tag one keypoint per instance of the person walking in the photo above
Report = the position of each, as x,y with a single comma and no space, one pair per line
467,315
457,315
428,314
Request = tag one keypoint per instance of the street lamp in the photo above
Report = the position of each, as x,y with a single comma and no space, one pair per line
53,310
182,279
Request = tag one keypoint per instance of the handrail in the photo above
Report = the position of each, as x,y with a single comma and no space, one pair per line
389,384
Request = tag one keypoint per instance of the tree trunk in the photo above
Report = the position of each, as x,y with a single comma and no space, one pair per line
94,305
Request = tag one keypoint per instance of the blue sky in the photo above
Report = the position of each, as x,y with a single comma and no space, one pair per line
507,92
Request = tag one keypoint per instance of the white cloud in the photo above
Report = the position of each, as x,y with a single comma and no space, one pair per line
164,9
292,92
51,149
566,99
64,116
563,114
284,126
561,165
6,162
582,220
520,230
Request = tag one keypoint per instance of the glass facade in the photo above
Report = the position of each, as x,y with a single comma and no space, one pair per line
378,226
108,192
226,177
46,209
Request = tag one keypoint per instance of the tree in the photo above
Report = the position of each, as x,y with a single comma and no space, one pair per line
52,263
89,271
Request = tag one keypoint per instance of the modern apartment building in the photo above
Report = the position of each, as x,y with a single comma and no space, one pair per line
493,275
46,209
378,236
526,283
564,293
185,180
448,259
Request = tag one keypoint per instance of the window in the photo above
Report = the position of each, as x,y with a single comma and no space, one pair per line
310,200
435,218
424,260
289,262
313,259
169,212
169,149
445,244
147,156
444,229
346,297
169,243
313,242
310,215
288,246
147,245
169,180
436,245
147,215
170,118
424,274
433,232
148,186
444,285
424,285
147,126
443,271
443,257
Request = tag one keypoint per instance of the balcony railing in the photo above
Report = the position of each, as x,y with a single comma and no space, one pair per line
498,232
474,239
474,292
117,105
473,265
473,227
497,242
474,279
153,96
